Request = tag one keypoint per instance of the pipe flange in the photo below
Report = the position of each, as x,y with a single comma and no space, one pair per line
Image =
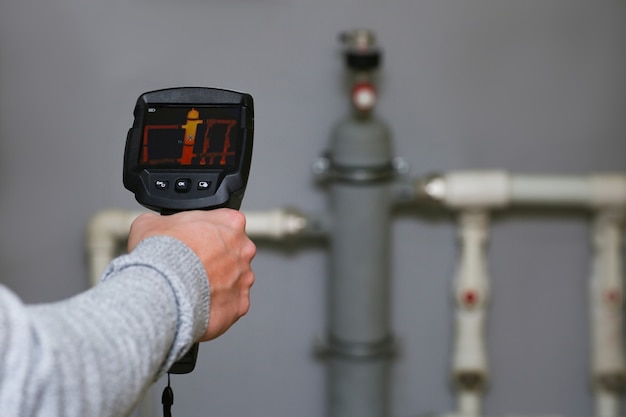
362,174
470,380
432,189
325,170
335,348
361,52
614,382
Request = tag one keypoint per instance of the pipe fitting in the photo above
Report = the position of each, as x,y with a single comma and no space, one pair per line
362,174
358,351
432,189
275,224
608,191
325,170
470,380
465,189
471,284
361,52
611,382
606,291
105,231
499,189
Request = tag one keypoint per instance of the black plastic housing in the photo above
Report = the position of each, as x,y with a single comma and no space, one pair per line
227,186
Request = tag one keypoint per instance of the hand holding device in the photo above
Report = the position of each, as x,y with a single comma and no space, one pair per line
189,149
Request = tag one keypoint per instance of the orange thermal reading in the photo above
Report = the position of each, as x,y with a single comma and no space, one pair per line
198,142
191,128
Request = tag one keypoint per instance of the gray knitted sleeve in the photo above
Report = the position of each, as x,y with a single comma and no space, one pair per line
96,353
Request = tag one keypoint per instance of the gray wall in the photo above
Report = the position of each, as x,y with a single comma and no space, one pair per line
527,86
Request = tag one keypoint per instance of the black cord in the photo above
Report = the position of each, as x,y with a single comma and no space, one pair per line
167,399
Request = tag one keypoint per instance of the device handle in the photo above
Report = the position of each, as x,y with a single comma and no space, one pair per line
187,363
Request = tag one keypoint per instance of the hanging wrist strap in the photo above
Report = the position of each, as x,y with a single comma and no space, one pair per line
167,399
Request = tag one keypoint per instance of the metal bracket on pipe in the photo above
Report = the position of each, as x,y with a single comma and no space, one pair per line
363,175
383,349
325,170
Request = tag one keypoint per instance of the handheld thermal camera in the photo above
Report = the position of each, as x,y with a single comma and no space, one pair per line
189,149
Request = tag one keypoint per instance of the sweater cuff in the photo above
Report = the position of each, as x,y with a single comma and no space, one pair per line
187,278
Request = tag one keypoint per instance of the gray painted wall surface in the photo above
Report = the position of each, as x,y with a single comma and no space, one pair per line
527,86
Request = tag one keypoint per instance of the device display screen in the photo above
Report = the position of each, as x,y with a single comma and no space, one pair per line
191,137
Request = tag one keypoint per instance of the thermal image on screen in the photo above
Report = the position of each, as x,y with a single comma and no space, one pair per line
192,137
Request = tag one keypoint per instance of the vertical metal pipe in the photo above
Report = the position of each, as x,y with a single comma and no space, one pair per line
360,341
360,171
359,325
360,262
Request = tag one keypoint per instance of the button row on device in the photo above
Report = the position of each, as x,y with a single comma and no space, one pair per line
182,185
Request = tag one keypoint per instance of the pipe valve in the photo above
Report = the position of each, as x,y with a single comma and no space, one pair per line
361,52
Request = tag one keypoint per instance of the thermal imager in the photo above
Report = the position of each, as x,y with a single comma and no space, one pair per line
189,149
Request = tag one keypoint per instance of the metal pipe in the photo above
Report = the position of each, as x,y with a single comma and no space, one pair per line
360,343
359,317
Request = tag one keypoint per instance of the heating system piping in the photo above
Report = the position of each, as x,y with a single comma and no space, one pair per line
474,194
365,182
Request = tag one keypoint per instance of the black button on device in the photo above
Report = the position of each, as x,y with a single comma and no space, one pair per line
204,185
161,184
182,185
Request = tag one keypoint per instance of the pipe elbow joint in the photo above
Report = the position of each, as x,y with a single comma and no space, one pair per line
614,382
474,380
107,227
467,189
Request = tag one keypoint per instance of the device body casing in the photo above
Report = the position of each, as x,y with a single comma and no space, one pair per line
227,188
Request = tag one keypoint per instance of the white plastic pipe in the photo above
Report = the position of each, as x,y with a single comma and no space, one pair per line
499,189
108,230
550,190
605,194
606,290
607,404
275,224
470,403
474,189
471,291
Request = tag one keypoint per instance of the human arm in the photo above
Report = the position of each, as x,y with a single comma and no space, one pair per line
226,260
95,353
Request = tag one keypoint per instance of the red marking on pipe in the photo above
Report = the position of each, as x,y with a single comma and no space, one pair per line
364,96
613,296
470,298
